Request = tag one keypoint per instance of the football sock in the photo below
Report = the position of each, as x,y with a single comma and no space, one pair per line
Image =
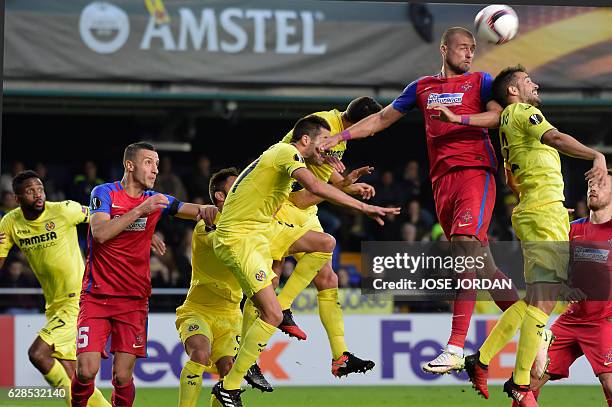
503,298
214,402
305,271
532,329
80,392
249,315
190,384
57,377
330,314
253,343
123,396
463,307
503,331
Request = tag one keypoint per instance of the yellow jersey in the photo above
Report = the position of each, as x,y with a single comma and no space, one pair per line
51,245
324,171
536,167
212,283
260,189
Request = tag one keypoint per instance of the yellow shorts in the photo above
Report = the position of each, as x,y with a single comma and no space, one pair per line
247,255
282,235
544,235
306,218
221,326
60,330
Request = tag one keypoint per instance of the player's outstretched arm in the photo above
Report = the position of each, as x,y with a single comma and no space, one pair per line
566,144
103,228
196,212
304,199
366,127
334,195
488,119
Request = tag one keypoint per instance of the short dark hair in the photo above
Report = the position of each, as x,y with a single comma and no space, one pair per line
450,32
503,80
132,149
218,179
361,108
310,125
21,178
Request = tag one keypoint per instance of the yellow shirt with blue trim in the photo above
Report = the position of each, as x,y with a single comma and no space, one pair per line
535,166
51,245
212,283
260,189
324,171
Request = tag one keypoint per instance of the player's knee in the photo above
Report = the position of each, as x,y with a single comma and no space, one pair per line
328,243
86,372
200,356
122,377
37,355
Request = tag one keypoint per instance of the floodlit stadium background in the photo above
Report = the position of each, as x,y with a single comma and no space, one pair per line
213,85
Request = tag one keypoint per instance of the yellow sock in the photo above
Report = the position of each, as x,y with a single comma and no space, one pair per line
503,331
249,315
330,314
190,384
97,399
253,343
305,270
531,335
57,377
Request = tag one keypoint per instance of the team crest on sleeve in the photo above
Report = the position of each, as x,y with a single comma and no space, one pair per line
298,157
535,119
96,203
260,275
193,327
50,226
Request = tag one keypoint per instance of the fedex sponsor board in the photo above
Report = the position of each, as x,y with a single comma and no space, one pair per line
399,344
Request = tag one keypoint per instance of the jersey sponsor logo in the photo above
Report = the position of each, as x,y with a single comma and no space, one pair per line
116,206
260,275
50,226
139,225
45,237
535,119
447,99
591,254
96,203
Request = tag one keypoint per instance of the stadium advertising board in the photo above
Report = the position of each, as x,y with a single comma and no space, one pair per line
279,42
399,344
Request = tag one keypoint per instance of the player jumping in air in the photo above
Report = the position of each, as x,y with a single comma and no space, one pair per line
530,148
117,282
301,209
241,240
462,167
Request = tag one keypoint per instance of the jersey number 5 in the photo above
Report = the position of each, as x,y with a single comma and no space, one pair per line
83,337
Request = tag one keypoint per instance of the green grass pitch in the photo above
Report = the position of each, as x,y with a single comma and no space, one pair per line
339,396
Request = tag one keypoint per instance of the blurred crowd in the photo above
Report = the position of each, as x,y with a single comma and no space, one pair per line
407,187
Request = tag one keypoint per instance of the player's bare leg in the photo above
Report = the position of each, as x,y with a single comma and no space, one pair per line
87,366
317,248
123,382
198,349
254,342
330,313
223,367
55,371
606,383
